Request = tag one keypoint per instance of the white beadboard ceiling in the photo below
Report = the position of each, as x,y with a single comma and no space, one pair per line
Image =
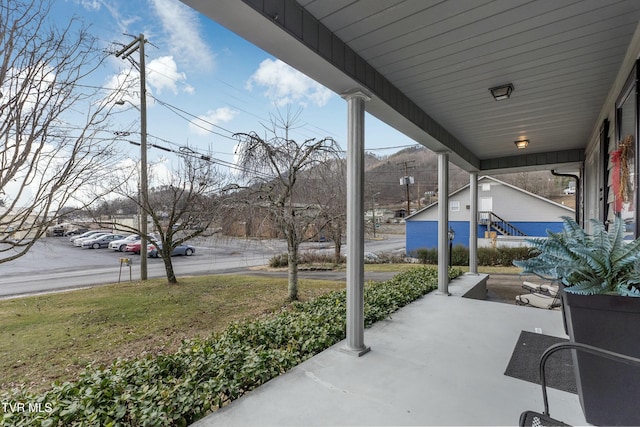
562,57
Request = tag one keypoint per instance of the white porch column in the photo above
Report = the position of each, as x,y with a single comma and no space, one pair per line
355,223
443,223
473,223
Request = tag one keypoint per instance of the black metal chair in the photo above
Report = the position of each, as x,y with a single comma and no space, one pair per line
537,419
539,300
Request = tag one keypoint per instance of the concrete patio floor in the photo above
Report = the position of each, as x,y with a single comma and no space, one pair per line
438,361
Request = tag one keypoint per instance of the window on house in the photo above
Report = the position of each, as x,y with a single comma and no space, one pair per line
623,157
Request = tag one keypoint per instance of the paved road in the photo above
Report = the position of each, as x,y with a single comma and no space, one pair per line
53,264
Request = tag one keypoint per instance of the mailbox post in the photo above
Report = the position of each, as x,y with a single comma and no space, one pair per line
127,262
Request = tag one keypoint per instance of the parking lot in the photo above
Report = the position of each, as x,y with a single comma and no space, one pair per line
54,264
53,254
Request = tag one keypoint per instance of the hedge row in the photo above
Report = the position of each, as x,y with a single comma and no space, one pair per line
282,260
486,256
204,374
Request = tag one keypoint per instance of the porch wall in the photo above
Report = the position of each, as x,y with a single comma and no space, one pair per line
592,171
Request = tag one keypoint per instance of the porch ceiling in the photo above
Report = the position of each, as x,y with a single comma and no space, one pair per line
442,56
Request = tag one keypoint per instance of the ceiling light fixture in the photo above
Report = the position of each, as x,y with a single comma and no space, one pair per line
501,92
522,143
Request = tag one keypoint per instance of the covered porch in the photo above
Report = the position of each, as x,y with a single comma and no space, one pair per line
438,361
491,86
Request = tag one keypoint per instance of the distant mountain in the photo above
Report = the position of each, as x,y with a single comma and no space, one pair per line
383,175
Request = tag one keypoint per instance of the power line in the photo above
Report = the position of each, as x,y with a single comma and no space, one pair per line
174,108
185,151
390,148
177,110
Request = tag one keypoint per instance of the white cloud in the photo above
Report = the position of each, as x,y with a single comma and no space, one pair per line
122,81
285,85
114,10
90,4
163,74
27,85
123,78
161,173
182,27
206,123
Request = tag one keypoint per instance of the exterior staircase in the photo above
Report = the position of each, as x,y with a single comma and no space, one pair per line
495,223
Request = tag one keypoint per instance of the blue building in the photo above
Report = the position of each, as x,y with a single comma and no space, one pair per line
502,208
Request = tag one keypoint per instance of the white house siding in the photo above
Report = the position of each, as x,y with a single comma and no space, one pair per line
510,203
530,213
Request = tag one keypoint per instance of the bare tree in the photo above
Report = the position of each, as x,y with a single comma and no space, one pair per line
180,206
51,124
330,194
278,170
542,183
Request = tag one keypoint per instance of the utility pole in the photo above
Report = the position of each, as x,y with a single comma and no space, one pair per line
406,180
373,213
138,44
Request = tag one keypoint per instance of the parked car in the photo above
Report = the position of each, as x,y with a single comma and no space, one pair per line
133,247
56,230
79,240
76,231
569,191
183,249
101,241
121,244
83,235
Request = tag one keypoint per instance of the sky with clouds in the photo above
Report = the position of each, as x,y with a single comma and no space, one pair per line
205,83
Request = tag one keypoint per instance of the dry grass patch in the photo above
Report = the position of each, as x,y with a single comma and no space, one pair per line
53,337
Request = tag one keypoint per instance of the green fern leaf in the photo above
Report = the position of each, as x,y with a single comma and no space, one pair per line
597,263
586,287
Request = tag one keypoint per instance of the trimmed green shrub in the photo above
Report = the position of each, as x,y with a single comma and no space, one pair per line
204,374
502,256
311,257
387,258
518,254
280,260
459,255
486,256
427,256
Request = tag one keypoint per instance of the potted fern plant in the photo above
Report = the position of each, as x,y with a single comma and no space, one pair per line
600,278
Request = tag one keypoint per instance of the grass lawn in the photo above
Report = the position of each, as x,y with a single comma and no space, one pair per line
53,337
